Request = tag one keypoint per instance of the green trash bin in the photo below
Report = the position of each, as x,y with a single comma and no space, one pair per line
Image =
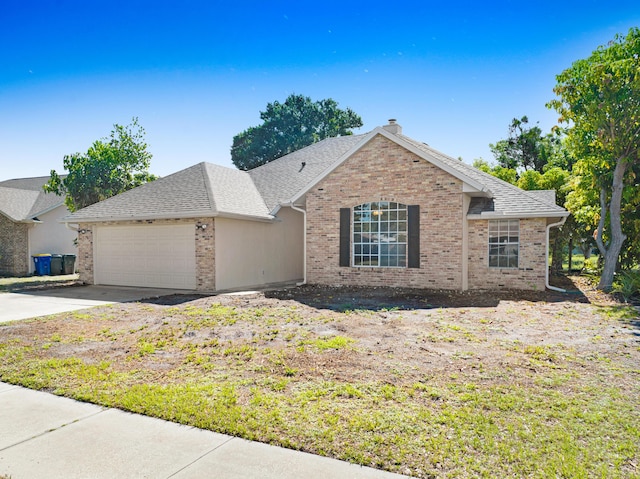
68,264
56,264
42,264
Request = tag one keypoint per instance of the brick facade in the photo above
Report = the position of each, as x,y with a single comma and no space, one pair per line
530,273
205,248
14,247
384,171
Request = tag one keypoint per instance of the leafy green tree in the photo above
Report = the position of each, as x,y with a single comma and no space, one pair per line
505,174
110,166
527,149
290,126
521,150
599,97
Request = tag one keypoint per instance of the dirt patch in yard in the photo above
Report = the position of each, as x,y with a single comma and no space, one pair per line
400,335
327,359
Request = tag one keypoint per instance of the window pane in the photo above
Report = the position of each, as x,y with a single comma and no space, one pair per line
379,234
504,243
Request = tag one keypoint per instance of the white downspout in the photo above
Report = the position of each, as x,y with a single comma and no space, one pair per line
304,243
546,271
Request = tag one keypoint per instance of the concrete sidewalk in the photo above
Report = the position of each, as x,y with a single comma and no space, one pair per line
42,435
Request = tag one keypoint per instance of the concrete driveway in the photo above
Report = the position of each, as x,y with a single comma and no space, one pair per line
31,304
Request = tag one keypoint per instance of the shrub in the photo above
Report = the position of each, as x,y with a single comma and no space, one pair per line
627,284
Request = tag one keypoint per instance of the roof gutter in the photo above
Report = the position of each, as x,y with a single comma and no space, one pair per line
546,270
304,243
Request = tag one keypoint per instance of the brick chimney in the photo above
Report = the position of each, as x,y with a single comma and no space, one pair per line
393,127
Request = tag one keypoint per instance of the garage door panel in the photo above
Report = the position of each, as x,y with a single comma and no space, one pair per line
150,256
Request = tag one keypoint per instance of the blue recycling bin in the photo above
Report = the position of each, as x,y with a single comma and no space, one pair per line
42,264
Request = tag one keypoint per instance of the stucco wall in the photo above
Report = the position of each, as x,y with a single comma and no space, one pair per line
14,248
530,273
250,253
384,171
50,236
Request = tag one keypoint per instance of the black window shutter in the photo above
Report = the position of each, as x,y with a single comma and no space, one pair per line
345,236
413,229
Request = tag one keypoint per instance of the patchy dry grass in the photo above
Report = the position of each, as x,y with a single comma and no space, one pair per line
484,387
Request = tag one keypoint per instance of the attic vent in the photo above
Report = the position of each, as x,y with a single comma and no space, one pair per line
393,127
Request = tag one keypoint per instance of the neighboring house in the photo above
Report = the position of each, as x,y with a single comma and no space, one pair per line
30,224
377,209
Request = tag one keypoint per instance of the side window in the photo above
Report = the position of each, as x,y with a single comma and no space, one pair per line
504,243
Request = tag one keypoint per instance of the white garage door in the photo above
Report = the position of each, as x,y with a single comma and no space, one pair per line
150,256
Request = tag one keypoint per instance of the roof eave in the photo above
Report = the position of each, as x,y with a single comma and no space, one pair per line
197,214
240,216
492,215
161,216
15,220
47,210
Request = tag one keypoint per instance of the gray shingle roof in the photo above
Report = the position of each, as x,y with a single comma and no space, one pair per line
279,180
211,190
23,199
506,199
200,190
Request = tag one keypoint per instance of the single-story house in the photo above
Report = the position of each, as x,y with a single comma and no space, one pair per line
371,209
30,224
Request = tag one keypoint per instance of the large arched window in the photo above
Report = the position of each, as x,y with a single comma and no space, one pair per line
380,234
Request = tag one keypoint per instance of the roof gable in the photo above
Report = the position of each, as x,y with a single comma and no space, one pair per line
504,199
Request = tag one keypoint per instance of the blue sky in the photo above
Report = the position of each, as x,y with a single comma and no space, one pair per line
196,73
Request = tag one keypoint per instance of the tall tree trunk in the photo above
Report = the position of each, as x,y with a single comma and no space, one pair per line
612,252
570,252
556,252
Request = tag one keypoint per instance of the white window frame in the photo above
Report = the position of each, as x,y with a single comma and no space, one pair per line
379,235
504,244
